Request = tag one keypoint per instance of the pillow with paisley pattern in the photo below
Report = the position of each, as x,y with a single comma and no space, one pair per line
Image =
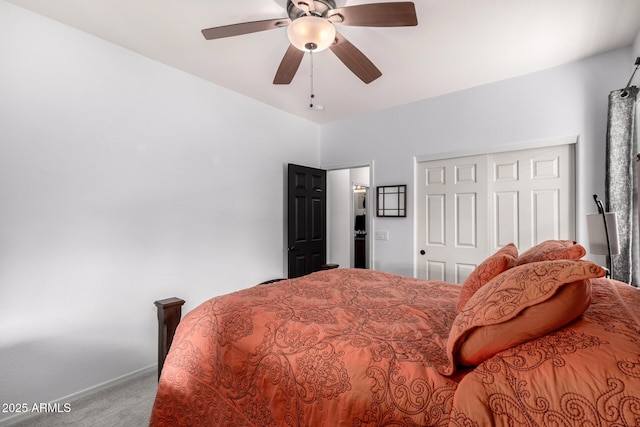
501,261
552,249
521,304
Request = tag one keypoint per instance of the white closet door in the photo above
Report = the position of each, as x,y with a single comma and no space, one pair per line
533,196
452,211
469,207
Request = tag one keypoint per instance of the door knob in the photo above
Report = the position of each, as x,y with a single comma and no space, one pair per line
422,252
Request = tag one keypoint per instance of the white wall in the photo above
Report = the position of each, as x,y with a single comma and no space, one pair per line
122,181
570,100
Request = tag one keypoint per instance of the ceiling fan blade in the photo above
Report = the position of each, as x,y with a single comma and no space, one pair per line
244,28
355,60
288,66
401,14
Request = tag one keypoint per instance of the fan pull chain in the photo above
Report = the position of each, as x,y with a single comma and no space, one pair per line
311,91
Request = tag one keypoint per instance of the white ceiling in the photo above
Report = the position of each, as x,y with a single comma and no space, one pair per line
457,44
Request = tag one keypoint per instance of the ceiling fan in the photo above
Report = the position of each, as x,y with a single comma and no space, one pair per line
311,29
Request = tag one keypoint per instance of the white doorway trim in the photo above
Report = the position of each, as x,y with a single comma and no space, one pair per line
369,208
536,143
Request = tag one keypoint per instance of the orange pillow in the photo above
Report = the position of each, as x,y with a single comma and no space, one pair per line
552,249
501,261
523,303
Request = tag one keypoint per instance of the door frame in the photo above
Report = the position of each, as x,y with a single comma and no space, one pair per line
538,143
370,222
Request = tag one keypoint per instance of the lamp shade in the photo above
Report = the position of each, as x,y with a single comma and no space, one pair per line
598,244
311,33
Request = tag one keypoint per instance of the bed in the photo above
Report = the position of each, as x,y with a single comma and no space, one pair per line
540,338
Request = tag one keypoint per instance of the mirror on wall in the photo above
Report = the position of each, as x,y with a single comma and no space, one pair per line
391,201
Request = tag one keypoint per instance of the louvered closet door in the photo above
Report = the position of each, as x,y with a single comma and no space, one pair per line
452,211
469,207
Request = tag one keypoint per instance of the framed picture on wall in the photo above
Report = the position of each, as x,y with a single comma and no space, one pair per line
391,201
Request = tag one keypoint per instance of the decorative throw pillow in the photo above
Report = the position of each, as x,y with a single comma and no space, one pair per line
522,303
501,261
552,249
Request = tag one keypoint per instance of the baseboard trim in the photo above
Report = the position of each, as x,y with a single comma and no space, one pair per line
18,418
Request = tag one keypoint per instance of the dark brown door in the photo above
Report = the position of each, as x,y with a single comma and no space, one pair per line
307,229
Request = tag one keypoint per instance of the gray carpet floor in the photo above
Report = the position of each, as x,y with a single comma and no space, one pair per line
125,405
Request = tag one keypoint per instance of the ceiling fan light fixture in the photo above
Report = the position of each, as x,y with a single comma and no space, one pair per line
311,33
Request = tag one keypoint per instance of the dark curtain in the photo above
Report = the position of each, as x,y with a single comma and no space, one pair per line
621,183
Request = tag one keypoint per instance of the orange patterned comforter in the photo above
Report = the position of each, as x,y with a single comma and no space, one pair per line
359,347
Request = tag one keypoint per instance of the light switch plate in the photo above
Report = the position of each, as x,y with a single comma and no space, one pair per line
382,235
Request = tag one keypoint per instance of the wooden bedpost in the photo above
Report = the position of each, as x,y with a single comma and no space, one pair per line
169,313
